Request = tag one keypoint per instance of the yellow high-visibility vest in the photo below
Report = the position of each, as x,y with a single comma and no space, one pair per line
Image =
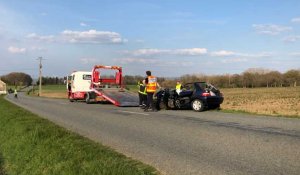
152,83
178,86
142,89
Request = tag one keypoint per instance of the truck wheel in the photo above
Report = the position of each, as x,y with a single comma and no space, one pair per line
198,105
87,98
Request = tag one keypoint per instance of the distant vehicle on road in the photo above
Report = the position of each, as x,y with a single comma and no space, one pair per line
197,95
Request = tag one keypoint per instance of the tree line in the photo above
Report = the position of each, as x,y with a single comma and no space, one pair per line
17,79
52,81
251,78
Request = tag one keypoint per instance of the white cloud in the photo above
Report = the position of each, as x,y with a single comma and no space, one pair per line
16,50
88,60
147,52
234,60
256,55
296,20
83,24
36,48
92,36
195,52
181,52
34,36
136,60
190,52
177,63
223,53
270,29
292,38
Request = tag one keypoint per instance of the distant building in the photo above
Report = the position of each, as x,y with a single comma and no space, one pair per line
2,87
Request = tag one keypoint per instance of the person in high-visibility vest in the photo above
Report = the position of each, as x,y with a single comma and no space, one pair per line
178,87
142,94
151,86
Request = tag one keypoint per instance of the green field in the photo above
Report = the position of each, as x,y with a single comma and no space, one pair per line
32,145
52,88
133,88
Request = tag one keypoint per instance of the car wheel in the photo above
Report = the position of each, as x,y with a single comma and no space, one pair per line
198,105
87,98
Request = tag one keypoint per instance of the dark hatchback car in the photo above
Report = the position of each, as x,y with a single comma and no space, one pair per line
197,95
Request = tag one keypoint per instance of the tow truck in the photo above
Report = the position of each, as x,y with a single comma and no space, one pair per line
106,89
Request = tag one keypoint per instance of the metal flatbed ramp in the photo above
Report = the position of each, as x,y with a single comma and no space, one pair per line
120,97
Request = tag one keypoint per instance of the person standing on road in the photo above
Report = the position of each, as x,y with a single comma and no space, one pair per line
151,84
16,93
69,89
178,87
142,94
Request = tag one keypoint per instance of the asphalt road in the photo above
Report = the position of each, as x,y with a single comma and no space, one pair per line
183,142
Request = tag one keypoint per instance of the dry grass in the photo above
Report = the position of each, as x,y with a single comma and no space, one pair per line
270,101
52,91
55,94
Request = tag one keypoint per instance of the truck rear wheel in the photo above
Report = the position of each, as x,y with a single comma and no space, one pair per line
87,98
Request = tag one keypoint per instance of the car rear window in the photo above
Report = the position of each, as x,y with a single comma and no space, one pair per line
202,85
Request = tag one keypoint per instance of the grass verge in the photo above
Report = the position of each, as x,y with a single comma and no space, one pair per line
32,145
1,166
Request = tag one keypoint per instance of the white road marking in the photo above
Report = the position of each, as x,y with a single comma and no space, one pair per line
133,112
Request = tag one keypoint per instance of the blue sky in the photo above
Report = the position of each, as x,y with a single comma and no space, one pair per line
169,37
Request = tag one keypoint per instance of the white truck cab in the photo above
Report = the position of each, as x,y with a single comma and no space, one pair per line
78,85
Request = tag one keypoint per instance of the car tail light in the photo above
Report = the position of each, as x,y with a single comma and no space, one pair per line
205,94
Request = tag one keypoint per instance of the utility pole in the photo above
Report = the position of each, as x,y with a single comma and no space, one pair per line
229,80
40,75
